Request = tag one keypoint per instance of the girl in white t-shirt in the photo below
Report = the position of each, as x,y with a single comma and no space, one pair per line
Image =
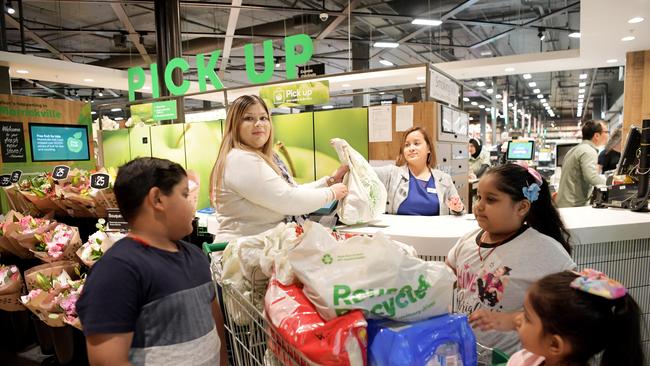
569,317
521,239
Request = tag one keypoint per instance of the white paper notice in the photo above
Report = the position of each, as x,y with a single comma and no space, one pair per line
380,123
403,117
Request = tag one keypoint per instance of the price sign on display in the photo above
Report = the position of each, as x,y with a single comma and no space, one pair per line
60,172
99,181
115,220
5,180
15,176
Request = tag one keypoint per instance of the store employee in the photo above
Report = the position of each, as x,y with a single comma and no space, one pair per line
414,186
251,188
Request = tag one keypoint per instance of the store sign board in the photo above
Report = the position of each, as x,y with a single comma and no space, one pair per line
444,89
293,58
311,70
60,172
291,95
12,142
163,111
115,220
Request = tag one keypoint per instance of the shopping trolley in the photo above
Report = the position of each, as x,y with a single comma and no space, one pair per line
252,341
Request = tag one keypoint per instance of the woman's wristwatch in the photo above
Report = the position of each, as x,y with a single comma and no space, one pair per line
330,180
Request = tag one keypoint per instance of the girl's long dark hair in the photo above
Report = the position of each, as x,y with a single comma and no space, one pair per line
543,216
590,323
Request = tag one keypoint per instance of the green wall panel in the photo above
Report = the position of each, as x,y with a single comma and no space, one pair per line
202,142
140,142
296,132
116,148
168,142
349,124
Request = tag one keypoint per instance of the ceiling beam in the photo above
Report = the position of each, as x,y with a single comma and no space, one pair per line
47,89
14,23
505,33
133,35
338,20
230,31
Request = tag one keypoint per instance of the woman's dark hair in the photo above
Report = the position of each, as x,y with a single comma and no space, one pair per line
590,323
542,215
477,147
138,176
431,158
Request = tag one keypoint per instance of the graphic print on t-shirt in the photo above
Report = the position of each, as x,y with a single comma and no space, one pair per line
492,285
483,289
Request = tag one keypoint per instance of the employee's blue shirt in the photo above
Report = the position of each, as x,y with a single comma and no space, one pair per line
422,199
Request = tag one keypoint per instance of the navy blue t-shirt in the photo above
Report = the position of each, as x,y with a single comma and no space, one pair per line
163,297
422,199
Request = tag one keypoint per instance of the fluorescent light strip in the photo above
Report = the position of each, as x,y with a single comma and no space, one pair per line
430,22
386,44
386,63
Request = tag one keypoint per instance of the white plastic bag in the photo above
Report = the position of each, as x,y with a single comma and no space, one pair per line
371,274
366,198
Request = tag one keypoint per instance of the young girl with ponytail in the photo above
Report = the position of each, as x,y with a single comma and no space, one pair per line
521,239
569,317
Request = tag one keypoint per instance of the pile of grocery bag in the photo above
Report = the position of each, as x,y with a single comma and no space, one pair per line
347,299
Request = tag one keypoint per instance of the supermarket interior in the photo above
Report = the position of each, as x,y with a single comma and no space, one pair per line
335,182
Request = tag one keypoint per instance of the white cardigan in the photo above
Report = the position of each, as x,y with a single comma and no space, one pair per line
253,198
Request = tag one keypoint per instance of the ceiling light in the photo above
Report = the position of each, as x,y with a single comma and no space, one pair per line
581,91
118,118
536,91
635,20
486,53
88,80
277,65
474,103
583,76
543,100
382,93
22,71
628,38
480,84
421,77
612,61
146,88
574,35
328,107
541,33
581,100
532,84
481,106
386,44
100,93
431,22
498,96
527,76
116,109
545,104
10,9
465,99
583,84
471,118
386,63
509,69
346,85
93,112
540,96
580,96
489,91
510,104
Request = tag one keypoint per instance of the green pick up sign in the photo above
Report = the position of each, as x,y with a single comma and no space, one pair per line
163,111
291,95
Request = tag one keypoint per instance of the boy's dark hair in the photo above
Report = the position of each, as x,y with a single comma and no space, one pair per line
542,215
590,128
590,323
138,176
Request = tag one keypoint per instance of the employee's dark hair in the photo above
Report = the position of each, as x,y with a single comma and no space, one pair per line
590,128
136,178
477,147
431,158
543,216
589,323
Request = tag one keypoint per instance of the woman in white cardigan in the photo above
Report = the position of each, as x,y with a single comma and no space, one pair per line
413,184
251,188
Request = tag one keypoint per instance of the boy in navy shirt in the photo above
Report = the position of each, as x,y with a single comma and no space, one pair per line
150,300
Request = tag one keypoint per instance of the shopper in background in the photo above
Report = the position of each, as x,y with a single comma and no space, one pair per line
570,317
521,239
479,159
414,185
251,189
609,157
579,171
150,300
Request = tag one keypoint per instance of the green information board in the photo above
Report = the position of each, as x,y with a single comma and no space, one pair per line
291,95
163,111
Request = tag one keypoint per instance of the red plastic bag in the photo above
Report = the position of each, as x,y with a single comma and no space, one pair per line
341,341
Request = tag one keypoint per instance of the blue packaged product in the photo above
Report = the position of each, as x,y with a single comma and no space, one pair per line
445,340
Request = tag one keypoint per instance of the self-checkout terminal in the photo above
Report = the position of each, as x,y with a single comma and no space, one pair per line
628,186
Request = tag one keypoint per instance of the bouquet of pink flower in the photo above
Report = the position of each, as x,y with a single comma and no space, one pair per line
26,231
74,194
8,224
53,291
57,244
39,190
97,244
11,284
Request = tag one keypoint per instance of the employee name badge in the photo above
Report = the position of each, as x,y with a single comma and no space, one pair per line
431,190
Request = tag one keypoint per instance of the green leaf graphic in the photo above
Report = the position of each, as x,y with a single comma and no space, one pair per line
77,135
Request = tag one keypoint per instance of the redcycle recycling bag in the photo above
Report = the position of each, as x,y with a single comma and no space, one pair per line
369,273
366,198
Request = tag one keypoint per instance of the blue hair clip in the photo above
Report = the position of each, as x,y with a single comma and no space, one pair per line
531,192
